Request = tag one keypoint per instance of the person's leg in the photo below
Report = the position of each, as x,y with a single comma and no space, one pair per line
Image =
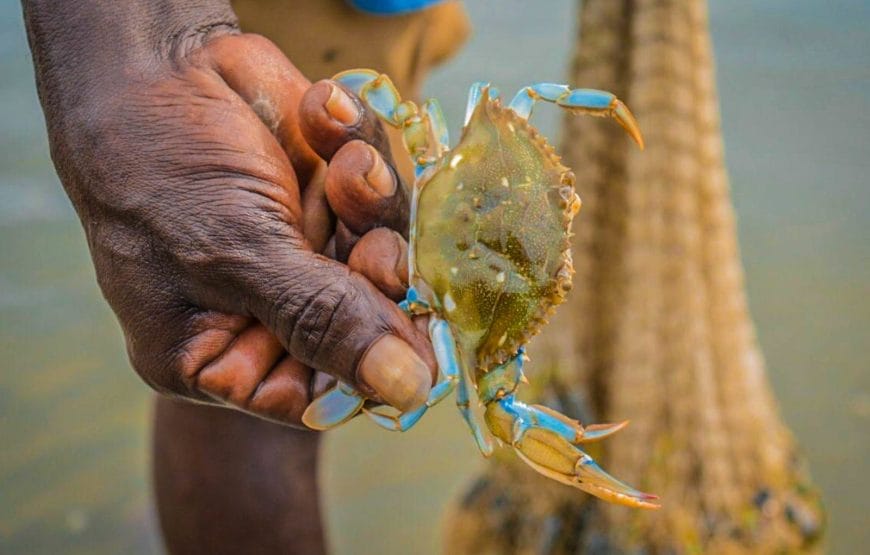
227,482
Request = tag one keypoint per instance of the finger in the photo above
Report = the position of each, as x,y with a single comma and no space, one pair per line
284,393
334,320
381,255
237,372
329,249
344,242
422,323
255,374
318,220
363,190
330,116
262,75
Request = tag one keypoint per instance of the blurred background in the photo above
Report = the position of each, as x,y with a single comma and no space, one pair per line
794,83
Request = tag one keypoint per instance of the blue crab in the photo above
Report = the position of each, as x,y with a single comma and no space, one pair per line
489,259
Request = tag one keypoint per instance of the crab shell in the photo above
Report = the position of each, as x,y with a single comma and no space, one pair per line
491,235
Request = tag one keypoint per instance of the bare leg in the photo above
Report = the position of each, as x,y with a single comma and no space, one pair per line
227,482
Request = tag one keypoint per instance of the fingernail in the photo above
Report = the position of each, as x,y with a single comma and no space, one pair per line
379,177
342,107
396,373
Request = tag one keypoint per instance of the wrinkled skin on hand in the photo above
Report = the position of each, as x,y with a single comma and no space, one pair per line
209,182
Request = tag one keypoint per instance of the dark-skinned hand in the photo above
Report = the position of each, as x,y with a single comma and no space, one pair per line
214,183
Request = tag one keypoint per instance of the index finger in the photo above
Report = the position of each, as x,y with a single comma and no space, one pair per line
331,116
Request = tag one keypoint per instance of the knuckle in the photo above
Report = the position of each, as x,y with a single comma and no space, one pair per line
318,318
231,233
323,322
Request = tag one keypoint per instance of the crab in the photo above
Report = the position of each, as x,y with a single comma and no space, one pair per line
489,259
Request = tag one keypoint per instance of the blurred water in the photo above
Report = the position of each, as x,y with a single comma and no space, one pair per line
794,80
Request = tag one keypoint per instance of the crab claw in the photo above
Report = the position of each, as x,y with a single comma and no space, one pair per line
546,450
549,454
594,480
596,432
625,118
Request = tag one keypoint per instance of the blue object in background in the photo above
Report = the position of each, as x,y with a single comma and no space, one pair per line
391,7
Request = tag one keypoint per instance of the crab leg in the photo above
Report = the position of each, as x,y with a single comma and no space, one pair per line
449,371
338,405
396,423
424,133
475,93
583,101
438,126
377,90
463,402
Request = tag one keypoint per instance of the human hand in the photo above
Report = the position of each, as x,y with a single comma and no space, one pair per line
202,185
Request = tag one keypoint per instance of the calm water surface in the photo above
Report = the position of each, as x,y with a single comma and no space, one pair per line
794,79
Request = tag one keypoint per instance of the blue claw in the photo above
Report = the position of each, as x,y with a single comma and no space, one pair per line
551,92
533,416
590,473
525,99
538,416
596,432
547,442
336,406
522,104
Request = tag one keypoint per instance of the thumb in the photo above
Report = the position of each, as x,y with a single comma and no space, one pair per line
336,321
